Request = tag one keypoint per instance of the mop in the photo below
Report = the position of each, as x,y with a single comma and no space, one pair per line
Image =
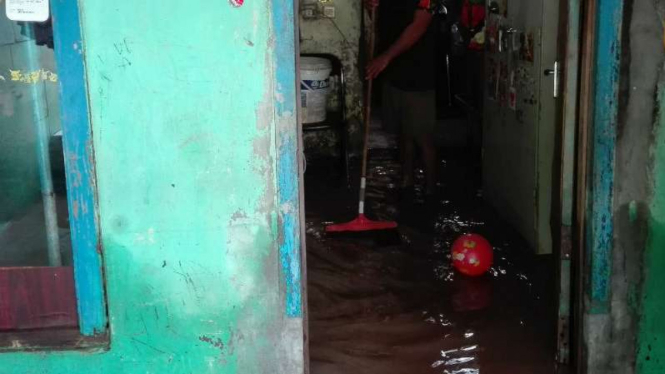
362,223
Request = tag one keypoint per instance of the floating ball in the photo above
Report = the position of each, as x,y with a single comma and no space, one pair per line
472,255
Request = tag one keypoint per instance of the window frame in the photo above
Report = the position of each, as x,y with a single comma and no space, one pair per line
79,169
79,159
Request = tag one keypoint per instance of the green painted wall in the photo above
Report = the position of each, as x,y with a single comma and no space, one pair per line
651,338
182,97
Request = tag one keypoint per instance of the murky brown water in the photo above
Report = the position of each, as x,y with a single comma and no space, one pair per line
390,303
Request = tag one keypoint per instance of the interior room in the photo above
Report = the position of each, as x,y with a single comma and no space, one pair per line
391,300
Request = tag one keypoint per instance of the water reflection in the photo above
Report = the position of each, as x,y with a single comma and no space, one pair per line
404,299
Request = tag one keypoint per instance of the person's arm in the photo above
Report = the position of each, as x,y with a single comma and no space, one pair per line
411,34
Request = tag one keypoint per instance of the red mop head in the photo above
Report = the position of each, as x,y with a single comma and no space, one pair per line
362,223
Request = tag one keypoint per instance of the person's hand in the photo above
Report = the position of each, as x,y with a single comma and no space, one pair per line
377,65
370,4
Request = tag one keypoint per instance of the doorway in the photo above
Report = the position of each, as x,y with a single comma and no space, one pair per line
391,302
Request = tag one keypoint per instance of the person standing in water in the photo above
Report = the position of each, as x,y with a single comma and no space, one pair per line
406,61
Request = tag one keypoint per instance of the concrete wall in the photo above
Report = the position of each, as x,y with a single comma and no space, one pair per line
626,337
193,113
339,36
642,57
647,54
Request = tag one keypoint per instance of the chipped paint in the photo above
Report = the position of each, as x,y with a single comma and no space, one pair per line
651,346
287,163
214,213
215,342
603,140
79,163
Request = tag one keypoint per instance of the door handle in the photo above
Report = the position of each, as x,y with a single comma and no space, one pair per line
555,73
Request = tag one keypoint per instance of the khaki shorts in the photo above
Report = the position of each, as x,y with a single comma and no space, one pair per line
411,113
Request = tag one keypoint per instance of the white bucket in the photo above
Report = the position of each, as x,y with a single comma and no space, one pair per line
314,88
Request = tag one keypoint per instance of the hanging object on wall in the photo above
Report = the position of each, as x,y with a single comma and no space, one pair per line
478,40
500,40
491,35
505,39
515,45
27,10
512,92
526,39
467,33
498,7
237,3
493,7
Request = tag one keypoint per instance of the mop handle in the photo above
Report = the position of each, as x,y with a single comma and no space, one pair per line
367,115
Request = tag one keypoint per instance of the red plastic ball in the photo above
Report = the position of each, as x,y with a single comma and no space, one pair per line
472,255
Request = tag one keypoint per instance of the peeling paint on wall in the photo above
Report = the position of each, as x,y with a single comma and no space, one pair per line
651,346
186,136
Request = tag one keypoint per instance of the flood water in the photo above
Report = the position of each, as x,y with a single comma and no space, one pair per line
390,302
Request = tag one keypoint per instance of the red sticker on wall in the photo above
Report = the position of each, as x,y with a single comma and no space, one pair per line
237,3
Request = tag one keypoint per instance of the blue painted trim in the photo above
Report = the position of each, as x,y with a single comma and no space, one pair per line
79,165
606,102
286,121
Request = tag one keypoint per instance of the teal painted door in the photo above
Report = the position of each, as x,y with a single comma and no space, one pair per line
195,138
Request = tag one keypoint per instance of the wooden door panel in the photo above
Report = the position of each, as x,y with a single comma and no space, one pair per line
37,298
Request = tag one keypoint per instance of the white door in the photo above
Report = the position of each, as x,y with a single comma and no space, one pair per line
520,115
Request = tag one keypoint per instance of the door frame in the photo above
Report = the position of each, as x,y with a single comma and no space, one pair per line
564,178
595,131
578,19
585,119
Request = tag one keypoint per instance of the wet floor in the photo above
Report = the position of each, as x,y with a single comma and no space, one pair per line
390,302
